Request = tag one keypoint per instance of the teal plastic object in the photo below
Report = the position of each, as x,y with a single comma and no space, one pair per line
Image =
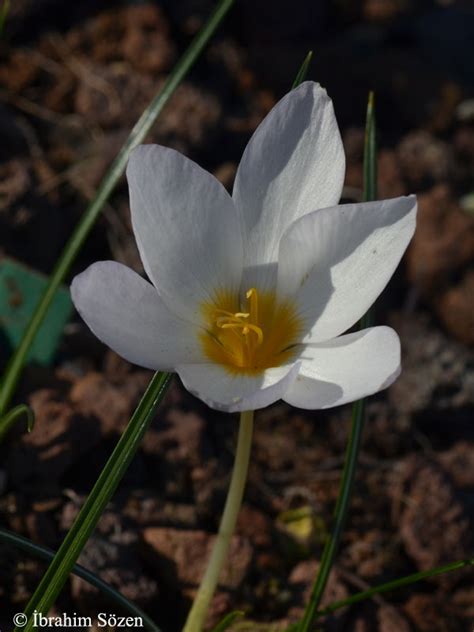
20,291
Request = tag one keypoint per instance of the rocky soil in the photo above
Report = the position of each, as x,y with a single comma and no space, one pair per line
71,87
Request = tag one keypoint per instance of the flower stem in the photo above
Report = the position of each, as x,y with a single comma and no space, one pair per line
197,614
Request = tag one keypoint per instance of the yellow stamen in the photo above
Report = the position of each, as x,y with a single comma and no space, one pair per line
252,297
249,341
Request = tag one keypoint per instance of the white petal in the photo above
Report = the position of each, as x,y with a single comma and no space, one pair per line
336,261
186,226
346,368
293,164
223,390
127,314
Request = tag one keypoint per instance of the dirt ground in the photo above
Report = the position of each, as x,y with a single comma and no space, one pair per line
72,83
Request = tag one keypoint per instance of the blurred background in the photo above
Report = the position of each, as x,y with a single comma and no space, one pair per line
74,78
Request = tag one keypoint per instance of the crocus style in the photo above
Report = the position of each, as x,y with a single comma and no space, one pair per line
250,294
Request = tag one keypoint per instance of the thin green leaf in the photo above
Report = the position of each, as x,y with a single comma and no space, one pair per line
13,415
358,414
370,174
86,521
91,214
395,584
4,11
46,554
228,620
303,71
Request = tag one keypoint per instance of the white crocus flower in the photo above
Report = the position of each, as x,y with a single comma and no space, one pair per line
250,294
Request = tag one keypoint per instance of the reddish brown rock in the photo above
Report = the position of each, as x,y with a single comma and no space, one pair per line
180,557
256,526
112,404
458,461
433,527
428,614
179,437
61,437
437,371
137,34
440,252
368,553
455,307
390,619
303,575
443,241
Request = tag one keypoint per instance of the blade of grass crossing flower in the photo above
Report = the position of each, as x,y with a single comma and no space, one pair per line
86,521
45,554
13,415
370,153
395,584
72,248
303,71
370,173
358,413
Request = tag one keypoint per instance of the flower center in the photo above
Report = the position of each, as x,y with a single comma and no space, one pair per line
262,335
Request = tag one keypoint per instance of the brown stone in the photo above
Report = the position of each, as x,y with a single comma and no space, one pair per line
455,307
458,461
256,526
61,437
391,620
181,556
443,241
433,527
112,404
303,576
428,614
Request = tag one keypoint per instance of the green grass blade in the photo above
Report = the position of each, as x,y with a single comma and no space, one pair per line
13,415
4,11
395,584
228,620
303,71
358,413
43,553
91,214
86,521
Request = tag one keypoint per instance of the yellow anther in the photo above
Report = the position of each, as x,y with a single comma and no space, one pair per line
246,322
223,321
252,297
260,336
